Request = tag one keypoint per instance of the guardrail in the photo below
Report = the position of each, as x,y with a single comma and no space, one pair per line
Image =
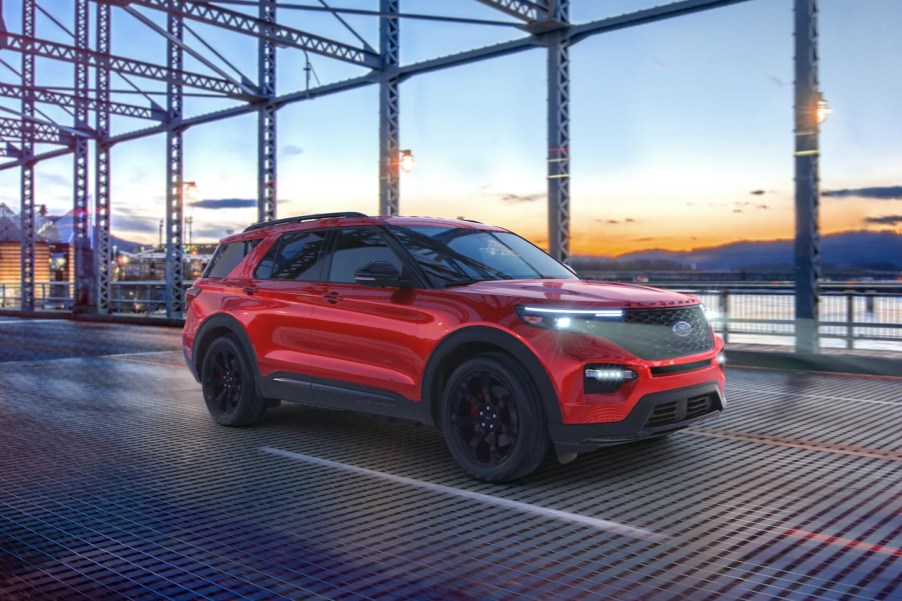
852,315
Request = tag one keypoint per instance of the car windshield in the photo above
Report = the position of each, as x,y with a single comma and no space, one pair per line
452,256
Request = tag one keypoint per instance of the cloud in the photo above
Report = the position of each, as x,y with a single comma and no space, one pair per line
777,81
643,239
291,150
225,203
765,207
737,210
218,231
629,220
885,220
521,197
55,179
879,192
133,223
758,192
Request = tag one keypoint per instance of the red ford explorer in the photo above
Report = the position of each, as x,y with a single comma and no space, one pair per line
451,323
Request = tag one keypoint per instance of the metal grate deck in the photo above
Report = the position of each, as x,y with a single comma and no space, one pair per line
115,484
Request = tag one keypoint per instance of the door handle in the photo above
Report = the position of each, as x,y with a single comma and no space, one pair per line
332,297
249,290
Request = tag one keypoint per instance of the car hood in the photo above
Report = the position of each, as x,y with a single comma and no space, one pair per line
581,293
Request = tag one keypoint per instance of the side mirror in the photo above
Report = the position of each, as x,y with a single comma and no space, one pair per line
378,274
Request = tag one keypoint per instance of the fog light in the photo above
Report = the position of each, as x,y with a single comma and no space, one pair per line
610,375
606,377
721,359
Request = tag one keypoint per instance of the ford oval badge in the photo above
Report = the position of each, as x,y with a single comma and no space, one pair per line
682,328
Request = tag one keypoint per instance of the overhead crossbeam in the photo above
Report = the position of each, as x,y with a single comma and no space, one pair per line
40,94
63,52
522,9
36,131
210,14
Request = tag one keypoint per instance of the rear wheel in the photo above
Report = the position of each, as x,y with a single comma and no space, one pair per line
492,419
228,384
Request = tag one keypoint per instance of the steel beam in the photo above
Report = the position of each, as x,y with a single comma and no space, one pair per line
40,94
559,137
211,14
36,131
102,241
389,107
8,150
525,10
266,119
26,214
53,50
174,176
84,262
643,17
807,242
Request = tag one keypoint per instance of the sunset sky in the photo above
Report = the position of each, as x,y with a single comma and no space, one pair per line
681,130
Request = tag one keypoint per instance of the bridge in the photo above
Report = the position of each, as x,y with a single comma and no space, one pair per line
115,483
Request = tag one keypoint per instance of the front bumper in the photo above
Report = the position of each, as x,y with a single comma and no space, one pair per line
654,414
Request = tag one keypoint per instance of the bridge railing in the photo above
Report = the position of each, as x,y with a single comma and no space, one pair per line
853,315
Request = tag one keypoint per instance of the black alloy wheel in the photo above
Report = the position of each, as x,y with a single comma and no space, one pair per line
228,384
492,420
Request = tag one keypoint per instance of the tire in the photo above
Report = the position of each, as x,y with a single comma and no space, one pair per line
227,379
492,419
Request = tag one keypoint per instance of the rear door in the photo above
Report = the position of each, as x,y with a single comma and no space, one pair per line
278,299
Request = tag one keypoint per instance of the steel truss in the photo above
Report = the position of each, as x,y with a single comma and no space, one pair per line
546,22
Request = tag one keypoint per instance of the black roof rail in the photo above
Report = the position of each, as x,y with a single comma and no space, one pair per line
301,218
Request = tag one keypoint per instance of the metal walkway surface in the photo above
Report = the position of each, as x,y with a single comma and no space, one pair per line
115,484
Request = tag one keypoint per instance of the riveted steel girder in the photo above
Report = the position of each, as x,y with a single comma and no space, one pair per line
174,175
81,241
807,202
39,94
35,131
559,139
522,9
389,109
102,238
63,52
214,15
266,118
27,138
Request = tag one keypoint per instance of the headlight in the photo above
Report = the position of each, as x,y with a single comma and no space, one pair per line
562,318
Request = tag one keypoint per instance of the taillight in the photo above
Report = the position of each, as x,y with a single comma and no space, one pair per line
190,294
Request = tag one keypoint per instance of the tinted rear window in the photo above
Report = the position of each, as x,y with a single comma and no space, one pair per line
227,256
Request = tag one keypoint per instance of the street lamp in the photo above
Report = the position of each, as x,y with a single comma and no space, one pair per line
407,162
192,192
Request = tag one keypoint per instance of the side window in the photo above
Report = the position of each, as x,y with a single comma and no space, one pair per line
294,256
227,257
354,248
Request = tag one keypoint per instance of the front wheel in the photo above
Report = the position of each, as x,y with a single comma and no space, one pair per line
227,379
492,419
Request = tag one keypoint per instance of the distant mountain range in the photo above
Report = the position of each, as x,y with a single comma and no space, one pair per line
881,251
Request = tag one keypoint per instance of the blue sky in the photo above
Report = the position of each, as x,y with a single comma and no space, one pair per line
681,130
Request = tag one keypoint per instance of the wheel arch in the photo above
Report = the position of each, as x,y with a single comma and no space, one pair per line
215,326
468,342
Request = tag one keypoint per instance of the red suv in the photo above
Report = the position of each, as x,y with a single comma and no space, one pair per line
451,323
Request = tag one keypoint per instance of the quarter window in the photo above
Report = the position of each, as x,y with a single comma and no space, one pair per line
227,257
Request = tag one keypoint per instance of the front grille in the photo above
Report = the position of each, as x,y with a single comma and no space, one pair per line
673,412
680,368
651,333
